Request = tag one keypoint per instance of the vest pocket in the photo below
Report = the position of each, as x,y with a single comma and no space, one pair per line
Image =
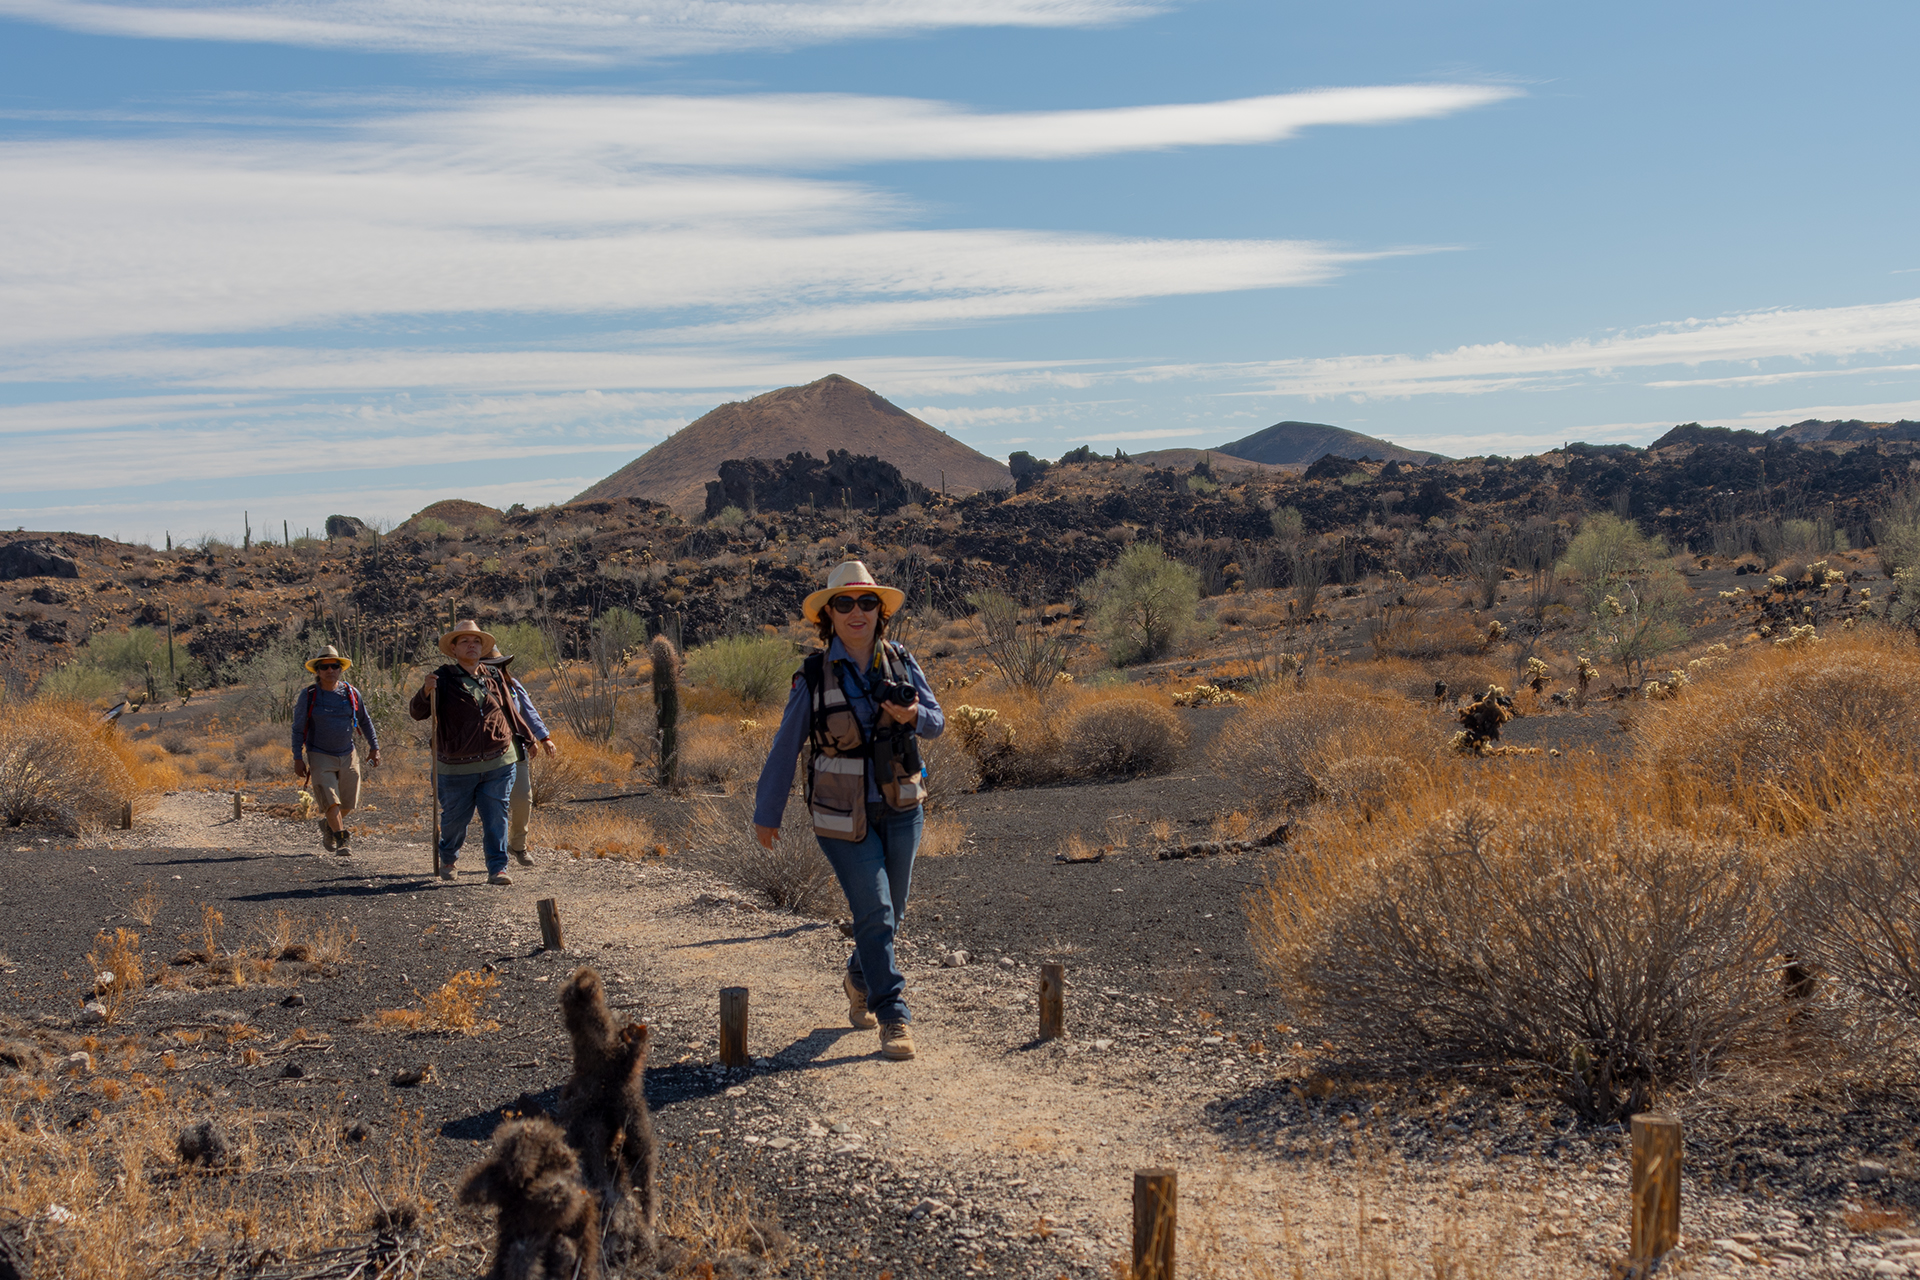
840,798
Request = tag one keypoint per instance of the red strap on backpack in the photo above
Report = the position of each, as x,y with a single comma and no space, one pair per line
353,700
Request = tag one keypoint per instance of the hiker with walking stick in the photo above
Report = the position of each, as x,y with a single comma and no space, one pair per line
325,715
520,804
475,725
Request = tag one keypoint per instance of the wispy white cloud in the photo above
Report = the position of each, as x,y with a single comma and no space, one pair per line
1183,433
502,210
1789,375
1780,334
582,30
820,130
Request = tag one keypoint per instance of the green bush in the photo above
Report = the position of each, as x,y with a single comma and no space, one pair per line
527,643
758,669
730,518
621,630
1143,604
77,682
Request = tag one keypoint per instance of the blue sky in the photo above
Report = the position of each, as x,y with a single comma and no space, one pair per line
354,255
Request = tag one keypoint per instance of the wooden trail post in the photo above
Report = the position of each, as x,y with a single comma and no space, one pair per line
1156,1194
1053,1002
236,806
1656,1187
126,816
551,936
733,1027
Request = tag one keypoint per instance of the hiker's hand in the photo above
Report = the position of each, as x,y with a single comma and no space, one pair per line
299,768
908,714
426,687
765,835
373,758
546,745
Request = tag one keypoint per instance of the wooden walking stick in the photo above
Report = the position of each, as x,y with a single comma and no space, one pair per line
433,765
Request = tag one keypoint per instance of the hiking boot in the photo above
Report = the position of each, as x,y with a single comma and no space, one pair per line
522,857
858,1015
499,877
340,842
328,840
444,870
896,1041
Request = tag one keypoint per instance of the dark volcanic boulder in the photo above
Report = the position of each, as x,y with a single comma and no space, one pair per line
345,526
860,481
36,559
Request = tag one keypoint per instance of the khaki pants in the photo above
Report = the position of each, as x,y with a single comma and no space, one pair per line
335,780
520,803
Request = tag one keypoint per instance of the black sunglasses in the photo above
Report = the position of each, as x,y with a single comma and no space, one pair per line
326,666
845,604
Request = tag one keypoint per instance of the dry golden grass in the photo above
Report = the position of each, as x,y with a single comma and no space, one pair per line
1785,735
1283,745
717,750
128,1206
942,836
1015,738
577,765
59,767
121,957
598,832
452,1007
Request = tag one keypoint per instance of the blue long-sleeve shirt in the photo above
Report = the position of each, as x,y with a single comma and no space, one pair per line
527,713
776,779
333,722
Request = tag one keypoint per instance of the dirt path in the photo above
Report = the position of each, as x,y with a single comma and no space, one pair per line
990,1154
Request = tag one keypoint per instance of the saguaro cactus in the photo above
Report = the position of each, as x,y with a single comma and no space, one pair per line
666,707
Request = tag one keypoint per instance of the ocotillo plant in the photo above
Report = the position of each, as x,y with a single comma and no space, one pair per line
666,707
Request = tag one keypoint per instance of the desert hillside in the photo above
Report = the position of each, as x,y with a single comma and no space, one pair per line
833,413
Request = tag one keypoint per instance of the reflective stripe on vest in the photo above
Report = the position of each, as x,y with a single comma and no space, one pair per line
839,764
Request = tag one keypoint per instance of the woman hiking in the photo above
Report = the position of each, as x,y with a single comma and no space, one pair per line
325,715
473,747
858,707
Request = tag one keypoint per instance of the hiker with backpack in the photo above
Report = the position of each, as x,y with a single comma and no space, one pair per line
520,801
858,707
325,715
476,726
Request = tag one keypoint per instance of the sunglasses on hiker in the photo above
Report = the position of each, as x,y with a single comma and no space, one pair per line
326,666
845,604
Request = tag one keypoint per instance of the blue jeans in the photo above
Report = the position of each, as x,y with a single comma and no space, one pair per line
875,874
460,795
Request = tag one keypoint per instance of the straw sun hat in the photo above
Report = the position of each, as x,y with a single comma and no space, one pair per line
329,654
466,627
851,577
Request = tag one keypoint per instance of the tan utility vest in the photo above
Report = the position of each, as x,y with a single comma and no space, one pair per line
840,755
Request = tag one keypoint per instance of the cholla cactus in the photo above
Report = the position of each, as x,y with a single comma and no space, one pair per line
1799,637
747,726
1777,581
1063,677
1612,608
1205,695
1835,578
1715,656
1537,673
1496,631
1734,594
972,724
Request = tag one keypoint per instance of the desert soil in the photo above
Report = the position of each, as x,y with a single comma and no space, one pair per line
992,1153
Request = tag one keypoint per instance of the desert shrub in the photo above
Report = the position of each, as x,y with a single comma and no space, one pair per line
793,874
1416,629
1813,537
1028,655
714,750
1122,738
528,645
1281,743
434,529
1897,529
78,682
59,769
730,517
1851,904
602,832
1557,933
1794,731
942,836
951,772
266,762
757,669
1144,604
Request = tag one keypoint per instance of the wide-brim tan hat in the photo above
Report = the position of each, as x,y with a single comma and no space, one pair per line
494,658
466,627
851,577
329,654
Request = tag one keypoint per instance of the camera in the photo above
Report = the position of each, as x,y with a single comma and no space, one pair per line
900,693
